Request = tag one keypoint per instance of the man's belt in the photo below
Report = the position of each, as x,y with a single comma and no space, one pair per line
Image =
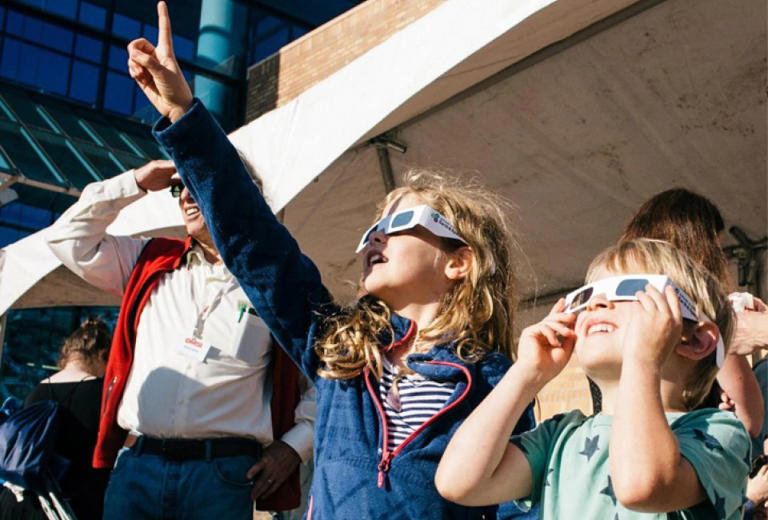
186,449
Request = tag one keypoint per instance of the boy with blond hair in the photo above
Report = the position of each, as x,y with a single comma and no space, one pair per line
652,344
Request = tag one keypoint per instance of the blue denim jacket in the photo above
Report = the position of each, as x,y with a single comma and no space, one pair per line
355,475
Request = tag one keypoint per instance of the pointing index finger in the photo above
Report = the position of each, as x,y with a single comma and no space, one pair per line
164,35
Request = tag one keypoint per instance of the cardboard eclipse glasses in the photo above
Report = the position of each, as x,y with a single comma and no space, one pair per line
623,288
409,218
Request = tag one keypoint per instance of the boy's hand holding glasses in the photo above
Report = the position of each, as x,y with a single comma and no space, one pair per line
546,346
654,329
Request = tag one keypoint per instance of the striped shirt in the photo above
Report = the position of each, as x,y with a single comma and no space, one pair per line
415,400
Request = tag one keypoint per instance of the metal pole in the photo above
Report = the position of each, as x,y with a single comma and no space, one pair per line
3,319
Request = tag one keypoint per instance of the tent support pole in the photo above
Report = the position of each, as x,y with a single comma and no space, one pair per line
3,320
384,143
386,168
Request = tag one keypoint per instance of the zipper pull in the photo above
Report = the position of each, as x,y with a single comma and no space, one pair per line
383,469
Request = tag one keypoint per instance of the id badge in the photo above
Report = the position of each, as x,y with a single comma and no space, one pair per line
192,347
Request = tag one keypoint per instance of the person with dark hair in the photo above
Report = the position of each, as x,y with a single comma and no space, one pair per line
693,224
687,220
77,388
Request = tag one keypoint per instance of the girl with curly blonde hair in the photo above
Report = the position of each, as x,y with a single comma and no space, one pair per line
397,372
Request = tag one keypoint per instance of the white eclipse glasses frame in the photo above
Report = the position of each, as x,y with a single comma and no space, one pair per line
409,218
624,288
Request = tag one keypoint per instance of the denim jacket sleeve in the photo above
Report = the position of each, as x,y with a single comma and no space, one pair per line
282,283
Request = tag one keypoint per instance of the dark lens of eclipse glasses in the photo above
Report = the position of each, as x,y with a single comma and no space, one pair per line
631,286
402,219
581,298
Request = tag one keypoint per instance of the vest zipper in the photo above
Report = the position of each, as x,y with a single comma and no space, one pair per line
386,455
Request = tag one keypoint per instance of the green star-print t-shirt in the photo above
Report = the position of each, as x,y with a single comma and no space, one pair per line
568,455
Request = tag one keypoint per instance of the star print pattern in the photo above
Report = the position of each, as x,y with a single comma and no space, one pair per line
590,446
709,441
608,490
570,478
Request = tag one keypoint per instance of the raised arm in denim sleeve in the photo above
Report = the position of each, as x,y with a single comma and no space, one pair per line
283,284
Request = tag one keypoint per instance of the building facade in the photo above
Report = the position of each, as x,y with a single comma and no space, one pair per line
70,115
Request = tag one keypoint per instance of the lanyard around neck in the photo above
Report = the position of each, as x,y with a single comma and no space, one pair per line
208,309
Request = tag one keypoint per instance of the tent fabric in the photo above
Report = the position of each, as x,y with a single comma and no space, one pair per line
577,135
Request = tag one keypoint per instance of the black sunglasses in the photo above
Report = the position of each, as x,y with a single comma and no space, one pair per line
176,190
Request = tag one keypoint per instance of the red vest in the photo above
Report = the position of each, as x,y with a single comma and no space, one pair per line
160,256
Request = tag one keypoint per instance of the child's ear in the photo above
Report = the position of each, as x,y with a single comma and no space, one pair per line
459,263
702,341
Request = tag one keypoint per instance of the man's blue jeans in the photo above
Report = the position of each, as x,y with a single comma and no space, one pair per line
149,486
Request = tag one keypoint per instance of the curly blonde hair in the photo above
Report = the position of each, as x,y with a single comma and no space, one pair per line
476,312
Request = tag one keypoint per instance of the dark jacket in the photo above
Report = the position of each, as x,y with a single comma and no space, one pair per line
355,475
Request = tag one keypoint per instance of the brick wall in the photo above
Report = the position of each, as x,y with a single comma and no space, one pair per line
318,54
568,391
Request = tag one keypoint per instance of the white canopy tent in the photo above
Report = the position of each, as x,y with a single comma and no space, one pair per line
577,110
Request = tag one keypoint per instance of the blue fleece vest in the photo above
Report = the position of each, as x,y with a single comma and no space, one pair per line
355,477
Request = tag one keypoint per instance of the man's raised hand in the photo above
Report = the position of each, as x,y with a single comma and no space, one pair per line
157,72
155,175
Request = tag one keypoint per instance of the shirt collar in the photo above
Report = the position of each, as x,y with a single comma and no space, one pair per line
196,257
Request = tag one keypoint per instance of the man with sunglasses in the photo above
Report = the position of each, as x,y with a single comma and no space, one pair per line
189,408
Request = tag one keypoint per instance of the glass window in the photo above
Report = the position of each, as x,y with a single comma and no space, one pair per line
109,135
15,24
52,72
93,15
270,42
5,112
129,160
125,27
100,158
85,82
33,338
143,109
10,57
118,58
135,150
267,23
24,107
4,164
183,47
88,48
148,146
68,122
34,66
150,33
65,8
118,94
25,157
49,35
65,159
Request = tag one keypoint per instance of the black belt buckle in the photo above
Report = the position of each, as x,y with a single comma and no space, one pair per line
173,449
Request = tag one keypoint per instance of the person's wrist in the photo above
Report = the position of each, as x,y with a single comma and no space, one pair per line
530,375
641,364
177,111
